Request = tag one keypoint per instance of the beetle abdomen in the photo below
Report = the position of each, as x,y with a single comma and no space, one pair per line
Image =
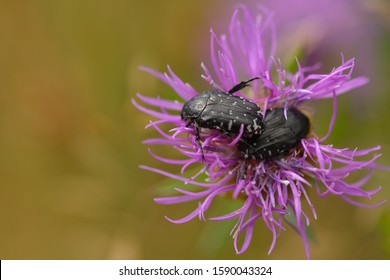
224,112
279,135
227,113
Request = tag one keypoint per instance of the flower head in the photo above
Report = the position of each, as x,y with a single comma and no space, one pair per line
269,189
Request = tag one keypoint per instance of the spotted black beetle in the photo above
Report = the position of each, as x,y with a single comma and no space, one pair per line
224,111
279,135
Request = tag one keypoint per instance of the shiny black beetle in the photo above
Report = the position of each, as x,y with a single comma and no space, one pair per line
224,111
279,135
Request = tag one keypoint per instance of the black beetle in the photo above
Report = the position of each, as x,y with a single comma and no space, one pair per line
279,135
224,111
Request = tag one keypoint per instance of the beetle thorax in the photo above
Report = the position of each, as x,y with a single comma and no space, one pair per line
194,107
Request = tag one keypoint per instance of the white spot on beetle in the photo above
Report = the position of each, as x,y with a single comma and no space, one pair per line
255,125
230,125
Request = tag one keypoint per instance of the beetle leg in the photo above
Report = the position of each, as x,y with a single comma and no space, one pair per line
197,134
198,140
241,85
189,122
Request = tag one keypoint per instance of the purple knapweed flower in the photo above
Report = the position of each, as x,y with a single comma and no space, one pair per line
270,189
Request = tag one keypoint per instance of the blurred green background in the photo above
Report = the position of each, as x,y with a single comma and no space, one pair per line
70,140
